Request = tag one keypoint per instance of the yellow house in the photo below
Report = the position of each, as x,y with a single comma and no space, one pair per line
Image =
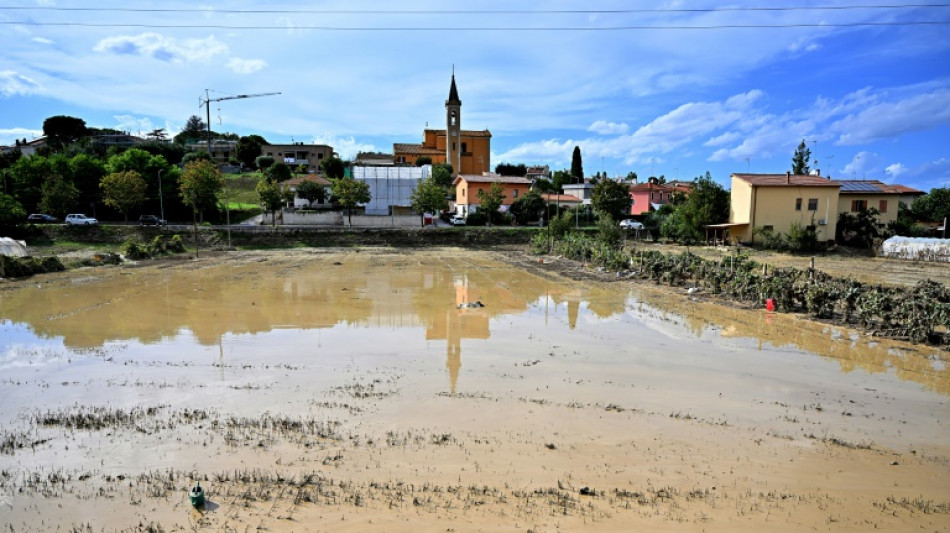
856,195
468,151
467,187
776,201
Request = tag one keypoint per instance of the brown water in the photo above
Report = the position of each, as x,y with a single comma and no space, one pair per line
375,342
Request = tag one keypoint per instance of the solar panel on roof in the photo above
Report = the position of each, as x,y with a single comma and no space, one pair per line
859,187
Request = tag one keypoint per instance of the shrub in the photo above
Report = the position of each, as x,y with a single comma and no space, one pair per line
608,231
476,219
802,239
136,251
561,225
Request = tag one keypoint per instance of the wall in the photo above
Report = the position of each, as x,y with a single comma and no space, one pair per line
775,206
313,218
873,200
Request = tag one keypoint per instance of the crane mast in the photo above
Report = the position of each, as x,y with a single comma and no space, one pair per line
206,101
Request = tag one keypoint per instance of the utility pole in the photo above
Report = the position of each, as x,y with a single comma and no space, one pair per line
206,101
161,203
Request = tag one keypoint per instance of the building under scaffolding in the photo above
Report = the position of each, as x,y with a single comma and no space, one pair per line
390,187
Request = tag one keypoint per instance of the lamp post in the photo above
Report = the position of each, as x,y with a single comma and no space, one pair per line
161,203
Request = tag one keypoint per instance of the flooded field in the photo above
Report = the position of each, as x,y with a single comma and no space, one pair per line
449,390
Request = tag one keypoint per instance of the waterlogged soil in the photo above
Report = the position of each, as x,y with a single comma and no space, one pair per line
449,390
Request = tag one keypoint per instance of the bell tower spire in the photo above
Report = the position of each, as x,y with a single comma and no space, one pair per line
453,128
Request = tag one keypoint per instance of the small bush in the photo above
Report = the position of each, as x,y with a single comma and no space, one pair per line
476,219
136,251
609,231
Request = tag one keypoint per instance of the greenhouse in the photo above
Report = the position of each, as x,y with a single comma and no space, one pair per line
13,248
917,249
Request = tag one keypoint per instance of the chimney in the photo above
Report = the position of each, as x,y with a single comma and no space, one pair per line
788,176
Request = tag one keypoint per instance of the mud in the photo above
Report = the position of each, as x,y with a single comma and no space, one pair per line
346,390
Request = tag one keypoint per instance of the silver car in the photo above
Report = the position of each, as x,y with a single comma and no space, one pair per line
77,219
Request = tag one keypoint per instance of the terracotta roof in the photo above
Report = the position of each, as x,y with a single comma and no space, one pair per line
492,178
560,198
463,133
903,189
650,187
415,149
785,180
293,182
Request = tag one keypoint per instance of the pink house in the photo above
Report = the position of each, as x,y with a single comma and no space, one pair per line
651,195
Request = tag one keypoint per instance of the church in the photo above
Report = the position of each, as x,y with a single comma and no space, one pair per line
468,151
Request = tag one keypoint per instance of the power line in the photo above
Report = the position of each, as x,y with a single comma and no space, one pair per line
475,11
474,28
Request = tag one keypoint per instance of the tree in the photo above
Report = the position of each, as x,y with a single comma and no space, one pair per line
423,160
248,149
933,206
311,191
428,197
489,201
195,126
332,167
860,229
442,173
124,191
279,172
348,193
528,208
270,196
62,130
11,212
631,176
195,156
708,203
800,159
26,177
263,162
199,185
59,195
577,167
612,198
561,178
542,185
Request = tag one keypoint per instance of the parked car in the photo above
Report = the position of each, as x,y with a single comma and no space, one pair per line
41,218
631,224
457,220
77,219
151,220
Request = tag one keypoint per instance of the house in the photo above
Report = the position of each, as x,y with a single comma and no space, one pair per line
776,201
303,202
583,191
468,151
467,187
390,187
857,195
564,200
649,196
378,159
298,154
538,172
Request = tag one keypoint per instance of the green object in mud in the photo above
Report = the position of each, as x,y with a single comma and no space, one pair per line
197,496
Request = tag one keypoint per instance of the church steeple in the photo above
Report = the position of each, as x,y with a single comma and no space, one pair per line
453,128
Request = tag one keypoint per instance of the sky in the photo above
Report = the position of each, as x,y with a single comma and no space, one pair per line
670,88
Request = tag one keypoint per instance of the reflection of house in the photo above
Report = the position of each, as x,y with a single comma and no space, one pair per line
390,188
651,195
856,195
467,188
298,154
776,201
468,151
579,190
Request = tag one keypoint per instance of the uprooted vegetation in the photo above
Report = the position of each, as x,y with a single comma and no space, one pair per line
920,314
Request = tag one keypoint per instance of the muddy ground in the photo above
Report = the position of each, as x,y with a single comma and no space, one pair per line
761,423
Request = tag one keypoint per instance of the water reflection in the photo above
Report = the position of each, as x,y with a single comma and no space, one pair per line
365,290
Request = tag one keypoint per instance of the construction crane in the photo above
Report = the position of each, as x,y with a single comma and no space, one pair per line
206,101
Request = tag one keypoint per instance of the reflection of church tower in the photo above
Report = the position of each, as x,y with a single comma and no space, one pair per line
453,128
454,362
573,306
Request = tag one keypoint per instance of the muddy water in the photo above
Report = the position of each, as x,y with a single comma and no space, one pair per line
442,369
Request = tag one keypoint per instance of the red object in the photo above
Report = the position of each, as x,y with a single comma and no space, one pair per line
770,304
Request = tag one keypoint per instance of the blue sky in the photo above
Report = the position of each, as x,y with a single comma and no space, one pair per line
868,91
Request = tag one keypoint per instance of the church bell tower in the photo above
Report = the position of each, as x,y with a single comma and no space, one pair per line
453,128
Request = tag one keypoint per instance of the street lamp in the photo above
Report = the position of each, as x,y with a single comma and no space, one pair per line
161,203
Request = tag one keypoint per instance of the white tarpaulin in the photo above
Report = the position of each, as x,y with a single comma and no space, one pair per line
12,248
918,249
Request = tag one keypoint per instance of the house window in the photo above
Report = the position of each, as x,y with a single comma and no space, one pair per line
515,193
319,156
798,204
858,205
883,208
464,148
463,192
813,204
401,159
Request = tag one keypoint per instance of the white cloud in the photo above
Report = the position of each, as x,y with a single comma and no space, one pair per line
8,137
895,170
246,66
603,127
42,40
12,83
883,120
862,164
132,124
347,147
163,48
